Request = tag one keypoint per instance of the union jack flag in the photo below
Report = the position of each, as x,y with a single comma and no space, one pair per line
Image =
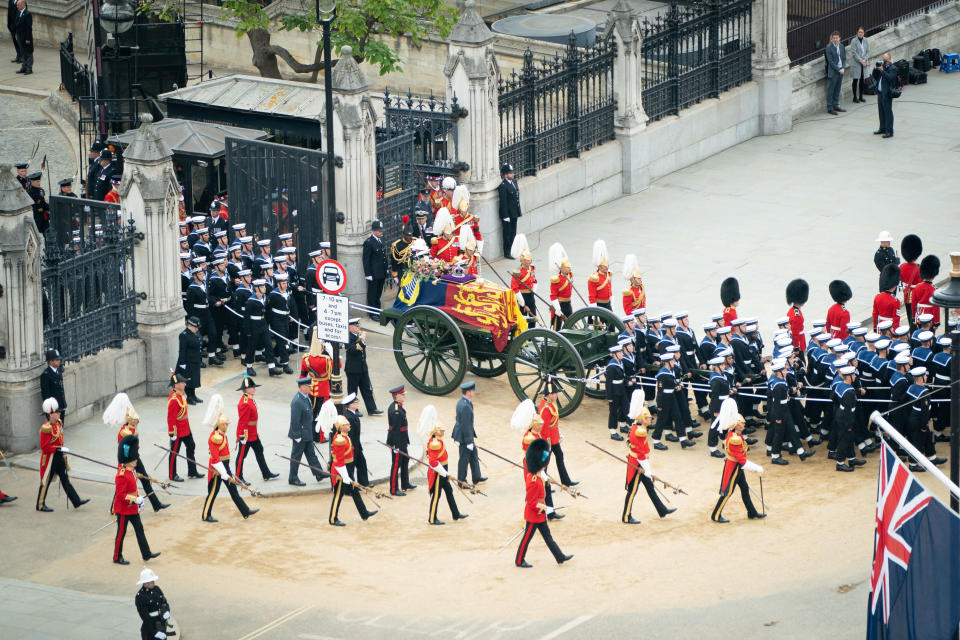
915,581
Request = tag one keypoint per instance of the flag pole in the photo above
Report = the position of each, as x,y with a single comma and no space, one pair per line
921,459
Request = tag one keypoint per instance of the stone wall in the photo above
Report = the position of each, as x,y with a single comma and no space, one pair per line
939,29
91,383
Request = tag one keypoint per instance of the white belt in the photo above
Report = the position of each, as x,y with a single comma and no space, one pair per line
689,353
256,317
616,382
279,312
940,376
723,397
666,390
915,408
833,328
199,306
883,319
785,401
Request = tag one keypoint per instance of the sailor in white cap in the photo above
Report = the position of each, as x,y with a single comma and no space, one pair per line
924,323
940,377
780,416
616,390
899,381
257,331
918,421
153,607
885,254
669,414
844,421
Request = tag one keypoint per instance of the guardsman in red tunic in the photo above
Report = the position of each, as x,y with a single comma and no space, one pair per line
178,428
443,246
523,281
433,195
885,304
837,316
634,296
446,197
561,286
462,217
438,477
798,292
923,292
525,416
126,500
733,473
599,285
341,454
910,249
52,460
638,467
730,298
550,415
318,365
535,509
469,259
113,195
218,467
248,438
120,412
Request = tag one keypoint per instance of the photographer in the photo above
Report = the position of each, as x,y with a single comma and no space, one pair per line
885,73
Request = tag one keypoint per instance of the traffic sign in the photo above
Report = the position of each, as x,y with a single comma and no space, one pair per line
331,277
333,315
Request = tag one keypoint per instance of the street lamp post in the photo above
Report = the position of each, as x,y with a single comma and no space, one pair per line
948,297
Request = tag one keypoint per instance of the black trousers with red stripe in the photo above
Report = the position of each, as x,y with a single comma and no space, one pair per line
399,470
244,449
544,530
175,449
147,487
122,521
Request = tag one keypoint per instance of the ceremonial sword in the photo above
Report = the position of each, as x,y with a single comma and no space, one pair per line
236,480
573,492
666,484
471,487
376,492
164,484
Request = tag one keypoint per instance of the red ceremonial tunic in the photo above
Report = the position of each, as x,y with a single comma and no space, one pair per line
923,303
729,315
910,277
470,264
443,249
550,431
536,493
561,288
112,196
51,439
247,417
435,199
219,450
634,298
177,421
639,449
125,485
599,287
341,450
796,327
436,454
524,280
837,319
319,369
736,448
460,219
126,430
886,307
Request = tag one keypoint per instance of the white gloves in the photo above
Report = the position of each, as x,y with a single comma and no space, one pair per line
344,475
749,465
561,437
505,219
439,469
294,213
548,510
369,278
479,246
556,305
166,615
222,470
139,500
64,450
520,299
543,473
297,439
173,437
242,441
317,427
470,447
645,465
160,635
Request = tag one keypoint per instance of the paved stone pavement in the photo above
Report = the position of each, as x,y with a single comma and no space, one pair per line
23,125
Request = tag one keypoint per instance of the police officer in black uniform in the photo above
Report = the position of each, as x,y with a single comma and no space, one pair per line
374,266
51,382
93,170
189,358
255,328
101,185
66,188
41,210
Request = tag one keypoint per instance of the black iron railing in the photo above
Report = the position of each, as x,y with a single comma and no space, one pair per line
555,109
418,137
694,52
89,300
810,22
76,78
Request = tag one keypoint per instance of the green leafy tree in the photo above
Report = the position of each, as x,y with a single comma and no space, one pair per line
361,24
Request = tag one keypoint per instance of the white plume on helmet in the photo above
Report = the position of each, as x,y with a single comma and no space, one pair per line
116,412
556,255
636,404
460,194
631,267
443,221
214,409
600,255
520,247
428,422
727,416
523,415
50,405
467,239
327,416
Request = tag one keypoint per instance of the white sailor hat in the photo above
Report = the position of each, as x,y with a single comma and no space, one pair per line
615,348
259,282
838,362
918,371
902,358
813,333
782,321
779,333
244,272
722,331
350,398
355,321
246,240
750,328
196,219
715,361
872,337
182,223
202,230
280,277
819,324
219,234
717,317
642,311
280,259
681,315
288,250
284,236
901,346
752,320
653,317
777,365
199,260
185,255
239,227
666,315
784,342
263,243
709,326
234,247
860,331
218,261
847,371
901,331
670,322
840,348
944,341
324,245
884,237
627,318
832,342
820,337
674,348
883,325
883,343
925,317
197,270
852,325
784,353
725,353
624,341
315,254
923,336
737,322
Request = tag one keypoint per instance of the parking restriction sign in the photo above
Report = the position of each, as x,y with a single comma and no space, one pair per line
333,314
331,277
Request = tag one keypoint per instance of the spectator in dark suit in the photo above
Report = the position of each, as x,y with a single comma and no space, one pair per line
464,434
301,433
887,79
23,33
374,265
509,194
836,65
11,23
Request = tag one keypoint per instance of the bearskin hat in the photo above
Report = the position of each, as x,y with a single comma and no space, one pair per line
729,291
840,291
128,449
911,247
889,277
798,291
929,267
538,455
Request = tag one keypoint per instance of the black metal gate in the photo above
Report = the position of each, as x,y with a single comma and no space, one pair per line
418,138
275,189
89,300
